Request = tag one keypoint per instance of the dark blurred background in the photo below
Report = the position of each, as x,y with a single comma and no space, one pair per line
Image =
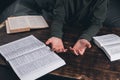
4,4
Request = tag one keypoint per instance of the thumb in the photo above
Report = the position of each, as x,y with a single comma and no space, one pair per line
48,42
88,45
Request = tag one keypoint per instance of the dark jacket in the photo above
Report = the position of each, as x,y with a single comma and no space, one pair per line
88,15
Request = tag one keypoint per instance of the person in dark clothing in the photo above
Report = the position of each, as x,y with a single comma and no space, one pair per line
113,14
79,15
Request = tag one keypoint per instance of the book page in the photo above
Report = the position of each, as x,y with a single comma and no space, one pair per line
2,24
110,44
20,47
36,22
108,39
7,27
112,51
18,24
36,63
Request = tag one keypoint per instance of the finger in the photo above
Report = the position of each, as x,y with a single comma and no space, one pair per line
56,49
53,49
75,52
48,42
71,48
88,45
61,50
81,52
65,50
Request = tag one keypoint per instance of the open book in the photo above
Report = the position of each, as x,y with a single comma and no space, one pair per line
24,23
110,44
30,58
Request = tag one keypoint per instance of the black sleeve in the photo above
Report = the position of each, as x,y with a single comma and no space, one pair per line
96,19
113,14
58,19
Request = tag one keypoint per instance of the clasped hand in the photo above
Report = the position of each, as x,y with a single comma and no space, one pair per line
78,49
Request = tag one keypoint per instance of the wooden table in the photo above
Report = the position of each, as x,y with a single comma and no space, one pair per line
93,65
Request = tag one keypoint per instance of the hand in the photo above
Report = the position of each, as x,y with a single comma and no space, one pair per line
80,46
56,44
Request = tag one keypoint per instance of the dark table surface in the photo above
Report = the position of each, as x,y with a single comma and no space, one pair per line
93,65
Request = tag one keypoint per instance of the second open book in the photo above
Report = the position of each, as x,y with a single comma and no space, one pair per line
110,44
25,23
30,58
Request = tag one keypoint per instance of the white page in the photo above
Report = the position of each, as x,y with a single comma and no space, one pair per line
7,27
35,64
113,49
110,44
20,47
36,22
17,23
106,39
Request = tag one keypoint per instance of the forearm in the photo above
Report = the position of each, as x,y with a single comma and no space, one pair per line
90,32
58,19
96,19
56,29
